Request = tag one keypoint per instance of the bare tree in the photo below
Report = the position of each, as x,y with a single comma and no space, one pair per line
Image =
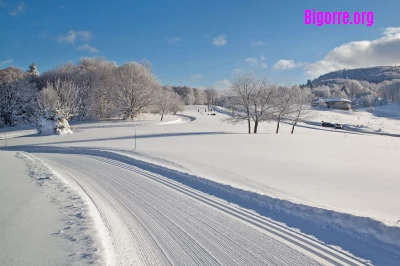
242,89
136,87
252,96
282,104
262,102
211,94
301,104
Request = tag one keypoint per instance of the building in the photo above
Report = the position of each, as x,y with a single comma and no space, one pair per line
337,103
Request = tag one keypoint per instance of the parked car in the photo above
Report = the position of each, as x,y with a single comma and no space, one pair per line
326,124
335,126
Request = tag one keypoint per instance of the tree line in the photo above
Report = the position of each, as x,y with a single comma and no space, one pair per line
361,93
93,88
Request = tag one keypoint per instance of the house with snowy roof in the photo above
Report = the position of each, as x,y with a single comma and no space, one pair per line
337,103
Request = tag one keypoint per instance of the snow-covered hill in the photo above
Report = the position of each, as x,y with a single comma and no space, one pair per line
370,74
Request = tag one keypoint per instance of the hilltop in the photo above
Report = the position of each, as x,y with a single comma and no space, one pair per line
370,74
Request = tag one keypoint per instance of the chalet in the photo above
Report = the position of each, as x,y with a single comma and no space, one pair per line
337,103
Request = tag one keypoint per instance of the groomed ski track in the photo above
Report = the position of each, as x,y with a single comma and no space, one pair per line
153,220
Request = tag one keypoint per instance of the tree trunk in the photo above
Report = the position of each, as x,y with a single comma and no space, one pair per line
249,124
208,107
295,122
277,126
162,116
255,127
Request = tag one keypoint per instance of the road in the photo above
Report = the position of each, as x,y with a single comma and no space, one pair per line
153,220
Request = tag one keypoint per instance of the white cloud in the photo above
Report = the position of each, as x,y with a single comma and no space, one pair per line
72,36
195,77
6,62
222,84
220,40
356,54
254,62
19,9
259,43
88,48
175,39
286,64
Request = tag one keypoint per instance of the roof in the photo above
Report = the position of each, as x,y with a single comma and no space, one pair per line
333,100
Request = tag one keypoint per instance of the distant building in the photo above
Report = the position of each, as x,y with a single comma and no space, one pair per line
337,103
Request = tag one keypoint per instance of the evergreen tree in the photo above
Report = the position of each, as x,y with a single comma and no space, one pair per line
33,70
309,84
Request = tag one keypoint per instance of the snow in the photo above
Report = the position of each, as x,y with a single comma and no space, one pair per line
43,220
383,120
340,186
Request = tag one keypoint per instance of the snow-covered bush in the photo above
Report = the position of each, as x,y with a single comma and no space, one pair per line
53,124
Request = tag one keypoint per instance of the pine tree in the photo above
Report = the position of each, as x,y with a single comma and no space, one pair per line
309,84
33,70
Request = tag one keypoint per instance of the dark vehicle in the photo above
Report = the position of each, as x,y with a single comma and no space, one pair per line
335,126
338,126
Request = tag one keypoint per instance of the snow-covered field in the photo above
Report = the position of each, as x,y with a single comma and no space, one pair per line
198,190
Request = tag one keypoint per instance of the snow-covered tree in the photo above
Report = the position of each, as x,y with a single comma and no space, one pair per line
354,87
211,94
11,74
176,103
33,69
17,100
199,96
60,98
189,98
97,83
167,102
391,90
136,88
322,91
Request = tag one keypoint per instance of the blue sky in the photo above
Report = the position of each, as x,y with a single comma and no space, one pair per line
199,43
